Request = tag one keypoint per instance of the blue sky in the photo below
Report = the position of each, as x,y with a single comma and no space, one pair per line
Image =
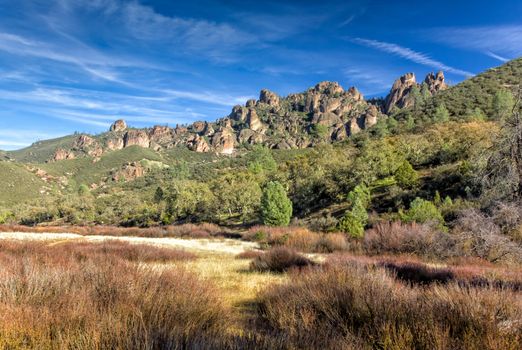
77,65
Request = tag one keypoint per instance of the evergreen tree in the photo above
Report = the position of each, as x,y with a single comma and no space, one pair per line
276,207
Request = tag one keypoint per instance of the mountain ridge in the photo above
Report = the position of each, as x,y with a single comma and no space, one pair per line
325,112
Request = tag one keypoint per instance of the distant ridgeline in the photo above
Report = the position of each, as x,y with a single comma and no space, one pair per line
323,113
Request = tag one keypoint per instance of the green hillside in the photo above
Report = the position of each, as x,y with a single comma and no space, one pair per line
41,151
18,184
477,92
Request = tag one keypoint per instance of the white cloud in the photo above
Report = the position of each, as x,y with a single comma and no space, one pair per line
495,56
411,55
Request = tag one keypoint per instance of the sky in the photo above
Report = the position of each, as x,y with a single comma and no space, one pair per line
78,65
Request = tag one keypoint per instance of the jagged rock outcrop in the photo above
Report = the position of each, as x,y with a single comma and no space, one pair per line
62,154
436,82
136,137
128,172
88,145
224,140
118,125
269,98
114,144
198,144
323,113
401,94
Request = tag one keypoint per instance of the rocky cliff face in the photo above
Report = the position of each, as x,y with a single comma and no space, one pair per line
402,93
323,113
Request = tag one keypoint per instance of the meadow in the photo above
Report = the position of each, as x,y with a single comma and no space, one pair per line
300,290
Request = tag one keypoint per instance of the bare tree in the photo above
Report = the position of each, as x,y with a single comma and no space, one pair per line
502,173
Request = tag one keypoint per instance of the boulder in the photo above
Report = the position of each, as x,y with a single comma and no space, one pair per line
115,143
136,137
128,172
269,98
62,154
118,125
198,144
399,93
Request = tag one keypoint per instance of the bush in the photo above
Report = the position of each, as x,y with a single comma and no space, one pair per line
423,211
351,225
276,208
51,298
340,307
399,238
279,259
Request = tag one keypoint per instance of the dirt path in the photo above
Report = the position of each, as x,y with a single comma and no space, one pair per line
227,246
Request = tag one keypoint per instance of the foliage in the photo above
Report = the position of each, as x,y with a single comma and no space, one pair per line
423,211
276,208
406,176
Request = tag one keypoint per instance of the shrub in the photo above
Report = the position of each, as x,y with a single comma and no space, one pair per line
399,238
423,211
351,225
359,307
279,259
478,235
276,207
406,176
53,299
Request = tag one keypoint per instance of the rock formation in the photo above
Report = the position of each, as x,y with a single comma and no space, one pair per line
401,96
136,137
274,121
62,154
435,83
118,125
128,172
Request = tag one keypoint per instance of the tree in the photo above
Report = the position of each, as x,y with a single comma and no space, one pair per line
356,217
503,103
441,113
276,208
351,225
158,195
260,159
502,173
406,176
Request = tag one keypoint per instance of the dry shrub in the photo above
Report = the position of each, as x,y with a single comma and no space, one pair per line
51,299
280,259
399,238
478,235
347,307
298,238
249,254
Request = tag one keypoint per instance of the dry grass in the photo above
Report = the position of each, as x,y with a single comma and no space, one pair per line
95,298
187,230
353,307
298,238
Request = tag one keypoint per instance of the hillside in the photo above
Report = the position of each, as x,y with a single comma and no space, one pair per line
19,184
320,144
477,92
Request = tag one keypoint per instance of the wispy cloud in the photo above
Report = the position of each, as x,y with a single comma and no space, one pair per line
411,55
495,56
500,42
347,21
